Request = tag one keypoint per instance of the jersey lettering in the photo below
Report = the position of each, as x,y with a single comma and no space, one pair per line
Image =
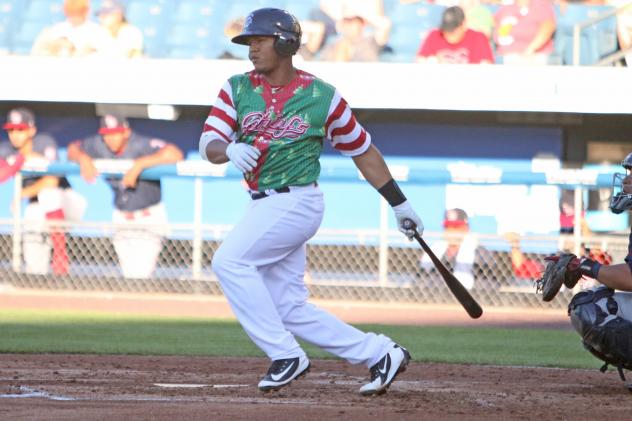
273,125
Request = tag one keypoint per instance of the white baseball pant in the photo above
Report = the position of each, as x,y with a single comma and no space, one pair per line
36,238
138,241
261,265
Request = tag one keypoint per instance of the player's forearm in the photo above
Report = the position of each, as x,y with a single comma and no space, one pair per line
34,189
75,153
372,166
215,152
544,34
167,155
616,276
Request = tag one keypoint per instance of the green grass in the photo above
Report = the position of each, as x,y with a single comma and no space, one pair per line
23,331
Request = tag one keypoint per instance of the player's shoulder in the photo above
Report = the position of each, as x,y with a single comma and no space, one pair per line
44,140
143,141
6,148
475,35
316,82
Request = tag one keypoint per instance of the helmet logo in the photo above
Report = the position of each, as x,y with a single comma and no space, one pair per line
248,22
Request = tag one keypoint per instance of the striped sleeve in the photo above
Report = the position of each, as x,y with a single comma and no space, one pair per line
221,123
343,130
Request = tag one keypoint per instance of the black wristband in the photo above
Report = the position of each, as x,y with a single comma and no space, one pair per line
589,268
391,192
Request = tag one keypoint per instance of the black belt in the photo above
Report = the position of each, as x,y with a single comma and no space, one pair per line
261,194
256,195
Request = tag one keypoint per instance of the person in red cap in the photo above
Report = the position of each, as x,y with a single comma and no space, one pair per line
458,248
136,201
50,197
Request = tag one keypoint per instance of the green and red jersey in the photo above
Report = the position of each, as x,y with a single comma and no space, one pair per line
287,124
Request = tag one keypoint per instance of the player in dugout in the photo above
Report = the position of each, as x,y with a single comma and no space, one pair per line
138,209
271,123
50,198
600,315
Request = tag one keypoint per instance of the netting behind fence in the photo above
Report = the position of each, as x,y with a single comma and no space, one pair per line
341,265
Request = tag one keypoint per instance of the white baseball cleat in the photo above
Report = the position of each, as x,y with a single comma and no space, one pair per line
282,372
384,371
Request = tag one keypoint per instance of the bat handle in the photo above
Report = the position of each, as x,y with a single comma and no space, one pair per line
409,224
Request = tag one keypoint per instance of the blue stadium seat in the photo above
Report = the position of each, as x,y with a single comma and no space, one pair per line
48,11
597,40
194,41
23,39
10,15
199,10
243,8
152,17
411,25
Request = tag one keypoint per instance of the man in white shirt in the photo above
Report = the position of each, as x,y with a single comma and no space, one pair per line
126,39
75,37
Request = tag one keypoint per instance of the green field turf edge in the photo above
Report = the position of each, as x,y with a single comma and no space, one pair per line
28,331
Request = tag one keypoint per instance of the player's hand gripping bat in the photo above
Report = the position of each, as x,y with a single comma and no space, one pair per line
458,290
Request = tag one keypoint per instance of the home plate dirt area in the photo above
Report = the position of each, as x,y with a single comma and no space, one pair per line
82,387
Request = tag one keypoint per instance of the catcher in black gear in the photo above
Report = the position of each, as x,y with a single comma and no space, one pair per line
601,316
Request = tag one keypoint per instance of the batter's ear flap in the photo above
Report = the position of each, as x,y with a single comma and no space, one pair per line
287,46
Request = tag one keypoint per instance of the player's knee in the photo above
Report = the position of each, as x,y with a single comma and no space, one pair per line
50,198
222,263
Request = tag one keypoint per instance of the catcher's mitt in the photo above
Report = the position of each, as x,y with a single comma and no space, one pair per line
562,269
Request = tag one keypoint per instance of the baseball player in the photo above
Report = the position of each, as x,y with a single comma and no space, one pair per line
50,198
600,315
270,123
136,201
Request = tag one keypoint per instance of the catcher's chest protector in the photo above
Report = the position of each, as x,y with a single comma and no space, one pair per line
603,319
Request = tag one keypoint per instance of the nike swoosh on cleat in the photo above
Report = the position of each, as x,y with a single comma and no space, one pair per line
277,377
384,370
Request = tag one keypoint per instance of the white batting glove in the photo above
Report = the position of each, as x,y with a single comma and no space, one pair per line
243,156
404,211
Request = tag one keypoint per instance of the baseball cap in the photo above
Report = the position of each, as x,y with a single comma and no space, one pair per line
455,218
111,123
19,118
452,18
110,6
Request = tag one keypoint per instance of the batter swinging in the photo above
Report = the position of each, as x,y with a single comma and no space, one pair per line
271,123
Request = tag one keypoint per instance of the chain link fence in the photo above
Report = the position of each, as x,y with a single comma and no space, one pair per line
342,265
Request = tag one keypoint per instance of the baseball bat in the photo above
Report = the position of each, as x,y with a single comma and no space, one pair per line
456,287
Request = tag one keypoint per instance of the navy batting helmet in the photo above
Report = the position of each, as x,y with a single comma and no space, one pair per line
276,23
621,200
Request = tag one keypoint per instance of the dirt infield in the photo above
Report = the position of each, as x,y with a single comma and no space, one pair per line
80,387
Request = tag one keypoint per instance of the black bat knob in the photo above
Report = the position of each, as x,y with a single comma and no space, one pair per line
409,224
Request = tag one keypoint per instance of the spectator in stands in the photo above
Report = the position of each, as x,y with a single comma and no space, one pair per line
137,202
522,266
459,249
478,17
624,26
524,32
353,43
232,28
332,12
50,198
75,37
454,43
126,40
567,214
